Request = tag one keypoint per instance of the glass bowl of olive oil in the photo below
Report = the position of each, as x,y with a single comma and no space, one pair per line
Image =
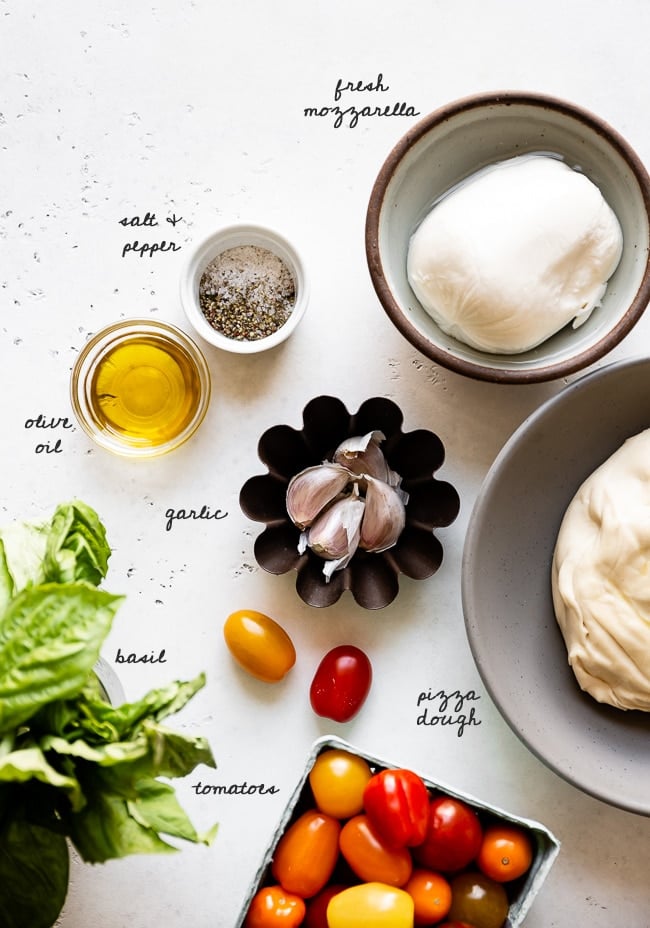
140,387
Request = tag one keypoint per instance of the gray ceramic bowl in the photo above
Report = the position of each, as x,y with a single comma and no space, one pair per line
506,585
453,143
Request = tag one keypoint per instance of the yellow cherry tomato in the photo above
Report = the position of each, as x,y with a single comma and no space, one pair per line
259,645
337,781
370,905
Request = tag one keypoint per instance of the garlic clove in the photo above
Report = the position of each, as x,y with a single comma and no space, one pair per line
361,454
314,488
335,534
384,517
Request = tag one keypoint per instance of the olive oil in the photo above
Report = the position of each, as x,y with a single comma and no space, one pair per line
140,388
145,390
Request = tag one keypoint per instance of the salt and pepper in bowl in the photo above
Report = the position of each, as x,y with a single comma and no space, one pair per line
244,289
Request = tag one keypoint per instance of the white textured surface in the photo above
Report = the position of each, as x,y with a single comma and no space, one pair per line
196,110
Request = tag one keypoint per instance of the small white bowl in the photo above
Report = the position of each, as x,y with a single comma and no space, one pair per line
459,139
232,237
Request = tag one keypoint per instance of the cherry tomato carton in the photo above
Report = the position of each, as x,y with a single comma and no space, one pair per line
520,892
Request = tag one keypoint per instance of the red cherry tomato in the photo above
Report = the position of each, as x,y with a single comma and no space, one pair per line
341,683
397,804
317,907
306,854
272,907
453,837
370,858
454,924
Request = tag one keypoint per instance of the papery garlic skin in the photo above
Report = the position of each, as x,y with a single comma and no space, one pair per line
311,490
384,517
335,534
361,454
354,501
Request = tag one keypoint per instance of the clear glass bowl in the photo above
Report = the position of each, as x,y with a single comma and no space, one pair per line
140,388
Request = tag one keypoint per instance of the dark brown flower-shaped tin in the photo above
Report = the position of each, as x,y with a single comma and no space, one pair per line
372,578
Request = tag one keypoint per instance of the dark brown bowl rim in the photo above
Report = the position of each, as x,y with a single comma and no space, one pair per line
472,369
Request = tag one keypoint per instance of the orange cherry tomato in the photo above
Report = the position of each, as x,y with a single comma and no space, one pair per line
306,854
506,852
259,645
272,907
338,780
370,857
431,894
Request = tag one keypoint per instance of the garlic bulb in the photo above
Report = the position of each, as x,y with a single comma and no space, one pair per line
312,489
334,535
354,501
361,454
384,517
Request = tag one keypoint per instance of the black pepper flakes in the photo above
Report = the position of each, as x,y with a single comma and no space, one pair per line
247,293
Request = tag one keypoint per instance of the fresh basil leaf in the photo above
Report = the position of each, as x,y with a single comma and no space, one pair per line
7,587
23,545
50,638
71,546
156,752
34,873
105,755
104,829
76,545
126,718
165,756
31,764
174,754
157,807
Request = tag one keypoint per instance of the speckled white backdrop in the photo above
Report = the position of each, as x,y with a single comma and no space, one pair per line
196,110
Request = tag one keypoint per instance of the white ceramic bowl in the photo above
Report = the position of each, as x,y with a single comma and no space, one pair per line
459,139
233,237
